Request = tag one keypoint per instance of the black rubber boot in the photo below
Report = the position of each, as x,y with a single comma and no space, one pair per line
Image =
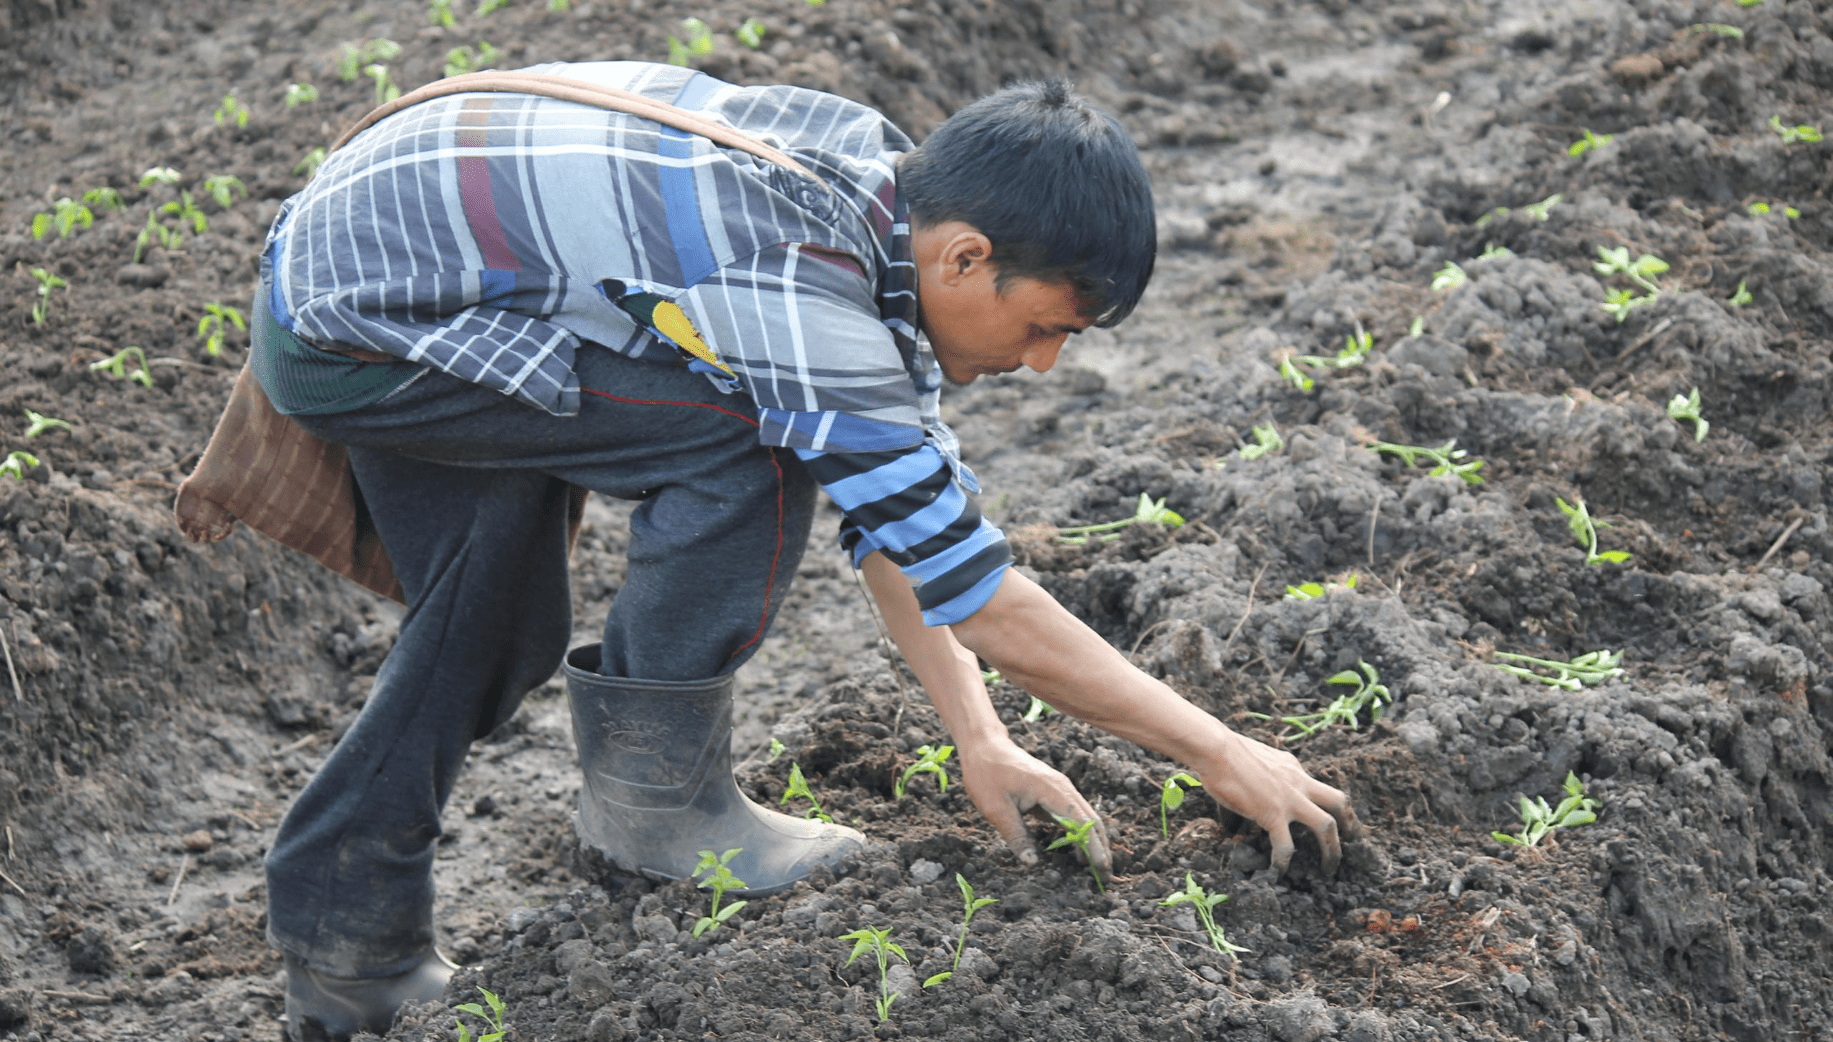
323,1008
657,758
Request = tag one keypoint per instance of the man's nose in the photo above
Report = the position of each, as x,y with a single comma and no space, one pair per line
1039,359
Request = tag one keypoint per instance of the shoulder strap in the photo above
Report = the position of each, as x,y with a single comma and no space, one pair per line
565,88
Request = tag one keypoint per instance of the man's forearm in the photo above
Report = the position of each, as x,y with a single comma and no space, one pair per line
948,672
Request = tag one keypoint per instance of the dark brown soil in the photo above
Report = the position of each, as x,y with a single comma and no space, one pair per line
1316,164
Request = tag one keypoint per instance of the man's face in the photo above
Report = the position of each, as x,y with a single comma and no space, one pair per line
976,330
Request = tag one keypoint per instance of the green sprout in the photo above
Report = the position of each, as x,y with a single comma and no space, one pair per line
1356,347
230,111
1584,529
1369,694
1312,591
880,944
1295,376
1449,277
1716,28
1149,512
160,175
223,188
777,749
750,33
487,7
386,91
1686,407
1171,797
187,211
1589,143
298,94
1641,271
1493,252
115,365
929,761
1758,209
797,788
969,904
355,56
463,59
1418,327
308,166
213,327
1620,302
16,464
719,879
699,42
1540,211
1741,297
41,311
38,423
105,197
1539,820
1266,440
439,12
1445,459
66,215
1037,710
1079,834
492,1018
1804,132
1592,668
1205,904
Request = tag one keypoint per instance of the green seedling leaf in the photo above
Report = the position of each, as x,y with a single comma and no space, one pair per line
929,761
719,879
230,111
66,215
439,12
797,788
37,423
16,464
41,310
386,91
1589,143
1266,440
1741,297
1585,530
699,42
298,94
1418,328
492,1018
1543,209
160,175
868,939
223,189
1539,820
212,328
1717,29
776,749
1449,277
1312,591
308,166
1800,132
1171,797
969,905
1205,904
1589,669
115,366
104,197
1037,710
1493,252
489,7
1370,696
1295,376
750,33
1079,834
1149,511
1445,459
1686,407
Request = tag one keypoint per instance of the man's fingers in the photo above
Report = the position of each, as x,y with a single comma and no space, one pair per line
1324,827
1078,811
1281,834
1010,825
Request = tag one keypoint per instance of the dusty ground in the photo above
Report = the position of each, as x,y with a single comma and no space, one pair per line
1316,164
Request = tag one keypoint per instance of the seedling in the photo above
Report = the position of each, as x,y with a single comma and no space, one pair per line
160,175
879,943
66,215
750,33
1641,271
1589,143
386,91
115,365
1312,591
298,94
1418,328
185,210
1266,440
223,188
1171,797
41,311
929,761
718,879
1493,252
1148,512
1591,668
1799,132
1741,297
1717,29
104,197
797,788
699,42
1205,904
230,111
1037,710
308,166
969,904
350,64
16,464
1079,834
460,60
1295,376
37,423
1445,459
1355,351
1369,694
1584,529
1686,407
213,327
1620,302
1540,211
439,12
1539,820
991,677
776,749
486,7
492,1018
1449,277
1758,209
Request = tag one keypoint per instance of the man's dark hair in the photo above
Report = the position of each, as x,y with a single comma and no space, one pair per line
1056,185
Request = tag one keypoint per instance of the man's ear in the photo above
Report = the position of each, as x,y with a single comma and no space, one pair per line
963,251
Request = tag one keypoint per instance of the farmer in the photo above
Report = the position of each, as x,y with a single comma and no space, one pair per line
491,299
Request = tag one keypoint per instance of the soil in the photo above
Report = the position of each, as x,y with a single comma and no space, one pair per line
1316,163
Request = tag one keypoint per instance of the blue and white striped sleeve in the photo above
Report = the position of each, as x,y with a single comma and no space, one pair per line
906,505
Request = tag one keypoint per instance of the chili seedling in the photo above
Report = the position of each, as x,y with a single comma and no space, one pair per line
41,311
1148,512
1493,252
115,365
1804,132
1716,28
486,7
1037,710
1759,208
969,904
1205,905
776,749
66,215
355,56
1449,277
105,197
1589,143
1539,211
1741,297
386,91
797,788
16,464
1641,271
1585,529
1370,694
230,111
223,188
463,59
1312,591
1445,459
699,42
1356,347
1686,407
879,943
1266,440
37,423
214,326
1079,834
160,175
492,1018
1539,820
1418,326
718,879
309,165
1295,376
439,12
750,33
1593,667
929,761
298,94
1171,797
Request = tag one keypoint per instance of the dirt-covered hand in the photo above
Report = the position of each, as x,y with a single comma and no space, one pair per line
1269,786
1005,782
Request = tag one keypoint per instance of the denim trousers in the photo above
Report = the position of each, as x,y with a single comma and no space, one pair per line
469,492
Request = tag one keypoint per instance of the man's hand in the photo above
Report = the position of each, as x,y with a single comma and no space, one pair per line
1269,786
1005,782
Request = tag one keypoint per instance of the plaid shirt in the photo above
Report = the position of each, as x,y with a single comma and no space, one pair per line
490,236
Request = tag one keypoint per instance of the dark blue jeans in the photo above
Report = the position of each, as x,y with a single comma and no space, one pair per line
469,491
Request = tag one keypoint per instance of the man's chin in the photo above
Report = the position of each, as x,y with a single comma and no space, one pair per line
959,379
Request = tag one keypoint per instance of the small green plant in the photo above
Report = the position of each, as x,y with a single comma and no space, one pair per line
1370,695
1589,143
1758,209
1295,376
1356,347
1540,211
1803,132
1312,591
213,328
105,197
37,423
797,788
1620,302
1641,271
183,211
777,749
1148,512
1418,326
160,175
492,1018
1539,820
1590,668
223,189
1266,441
16,464
879,943
1585,529
1205,905
186,210
1717,29
439,12
386,91
489,7
115,366
1445,459
1741,297
350,63
750,33
1037,710
1079,834
230,111
719,879
66,215
1171,797
969,905
929,760
1686,407
298,94
463,59
1493,252
41,310
699,42
308,166
1449,277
